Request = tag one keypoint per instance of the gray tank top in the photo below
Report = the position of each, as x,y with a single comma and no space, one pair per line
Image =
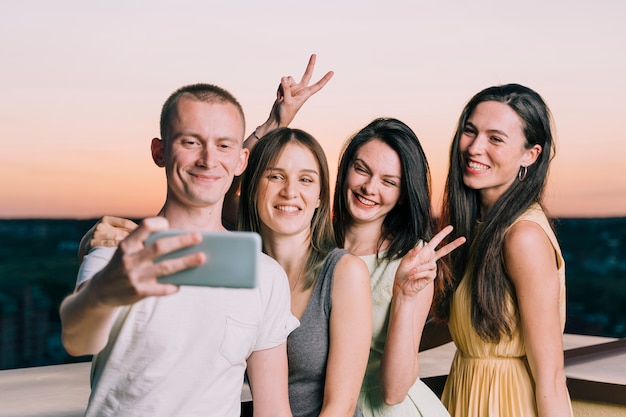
307,346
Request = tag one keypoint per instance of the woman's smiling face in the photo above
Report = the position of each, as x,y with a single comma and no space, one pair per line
373,183
492,149
289,192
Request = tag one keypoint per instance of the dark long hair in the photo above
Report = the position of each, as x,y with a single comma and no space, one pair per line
410,220
265,154
482,257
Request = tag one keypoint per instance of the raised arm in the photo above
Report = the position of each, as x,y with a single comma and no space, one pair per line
537,288
131,275
290,97
411,300
350,336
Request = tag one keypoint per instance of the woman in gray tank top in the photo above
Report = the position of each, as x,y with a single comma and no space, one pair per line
287,201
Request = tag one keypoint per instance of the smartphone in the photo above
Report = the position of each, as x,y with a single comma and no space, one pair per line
231,259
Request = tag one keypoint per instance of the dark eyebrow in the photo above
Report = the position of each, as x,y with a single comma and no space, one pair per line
497,132
362,162
399,177
490,131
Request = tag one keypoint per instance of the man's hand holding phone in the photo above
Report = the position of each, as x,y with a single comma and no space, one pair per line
230,259
134,270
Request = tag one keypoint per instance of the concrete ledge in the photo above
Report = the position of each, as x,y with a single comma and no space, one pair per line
45,391
595,368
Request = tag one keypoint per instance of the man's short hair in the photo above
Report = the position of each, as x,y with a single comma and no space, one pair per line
207,93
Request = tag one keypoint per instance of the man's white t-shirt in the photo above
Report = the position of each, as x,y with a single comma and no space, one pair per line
185,354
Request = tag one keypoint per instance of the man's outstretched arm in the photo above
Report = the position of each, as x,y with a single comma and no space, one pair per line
130,275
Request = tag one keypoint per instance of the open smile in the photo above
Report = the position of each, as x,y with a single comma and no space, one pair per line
364,201
476,166
287,209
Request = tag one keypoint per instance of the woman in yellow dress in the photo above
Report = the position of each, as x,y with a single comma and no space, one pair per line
504,292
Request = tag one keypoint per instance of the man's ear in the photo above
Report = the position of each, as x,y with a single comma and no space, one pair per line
243,161
156,146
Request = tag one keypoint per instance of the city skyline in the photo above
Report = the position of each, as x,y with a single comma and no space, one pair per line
83,84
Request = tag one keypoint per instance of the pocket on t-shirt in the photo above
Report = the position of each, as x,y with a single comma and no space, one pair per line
239,340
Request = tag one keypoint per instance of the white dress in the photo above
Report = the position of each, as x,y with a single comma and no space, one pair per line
420,401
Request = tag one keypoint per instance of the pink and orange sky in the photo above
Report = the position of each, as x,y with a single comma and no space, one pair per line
82,85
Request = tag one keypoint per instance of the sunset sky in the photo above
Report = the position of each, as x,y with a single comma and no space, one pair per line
83,82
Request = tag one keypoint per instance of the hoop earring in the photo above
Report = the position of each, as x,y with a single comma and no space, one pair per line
521,175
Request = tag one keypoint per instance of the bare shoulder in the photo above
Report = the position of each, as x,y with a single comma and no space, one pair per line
525,236
528,252
351,287
351,266
351,277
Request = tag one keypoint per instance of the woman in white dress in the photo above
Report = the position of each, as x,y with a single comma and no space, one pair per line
382,213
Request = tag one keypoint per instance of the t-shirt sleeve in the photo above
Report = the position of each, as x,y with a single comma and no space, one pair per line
93,262
277,321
